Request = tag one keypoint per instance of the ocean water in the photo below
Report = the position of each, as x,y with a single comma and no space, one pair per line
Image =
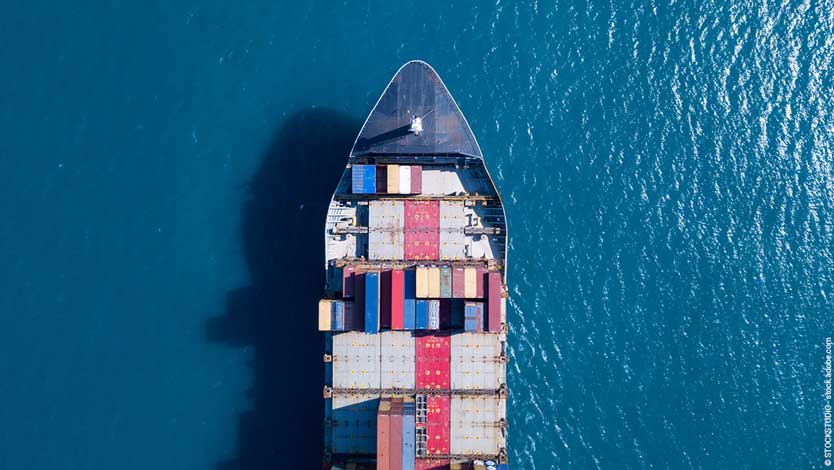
165,166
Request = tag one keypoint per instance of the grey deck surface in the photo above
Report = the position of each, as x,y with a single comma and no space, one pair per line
416,90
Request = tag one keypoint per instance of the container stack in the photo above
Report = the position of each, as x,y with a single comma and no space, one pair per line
423,298
386,179
395,434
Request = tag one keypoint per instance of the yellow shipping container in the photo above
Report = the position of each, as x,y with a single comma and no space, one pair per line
434,283
324,315
422,278
470,283
393,179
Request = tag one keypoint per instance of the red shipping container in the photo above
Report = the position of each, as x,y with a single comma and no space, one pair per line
382,434
347,281
432,361
395,436
431,464
397,297
422,230
385,300
458,284
416,179
438,417
481,281
359,300
494,302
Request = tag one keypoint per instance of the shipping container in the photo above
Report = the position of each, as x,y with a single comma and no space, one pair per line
363,179
405,179
410,294
438,414
452,220
408,433
432,356
482,280
385,300
434,314
350,320
397,360
356,360
470,283
359,298
372,302
381,179
476,362
325,315
337,310
445,282
473,316
386,225
347,283
395,435
432,464
353,423
416,179
421,282
397,297
494,302
336,277
476,424
458,286
383,418
393,179
434,282
421,230
422,314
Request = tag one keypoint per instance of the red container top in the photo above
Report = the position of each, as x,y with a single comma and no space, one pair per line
416,179
422,245
382,435
395,436
347,281
458,285
422,232
431,464
494,302
438,417
432,362
385,300
397,297
422,215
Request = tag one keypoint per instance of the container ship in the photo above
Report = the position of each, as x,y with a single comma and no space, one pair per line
414,305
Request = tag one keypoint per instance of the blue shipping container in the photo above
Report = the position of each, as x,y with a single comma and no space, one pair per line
434,315
337,309
409,313
363,179
422,314
473,316
372,302
408,435
410,284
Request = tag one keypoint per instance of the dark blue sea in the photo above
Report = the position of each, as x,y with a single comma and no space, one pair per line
668,171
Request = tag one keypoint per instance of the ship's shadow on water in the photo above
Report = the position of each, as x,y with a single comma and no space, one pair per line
282,236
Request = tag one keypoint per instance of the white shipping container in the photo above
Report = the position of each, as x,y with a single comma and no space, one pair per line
475,425
397,359
405,179
476,362
356,361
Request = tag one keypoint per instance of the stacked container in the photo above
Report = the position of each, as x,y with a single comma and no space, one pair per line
422,315
473,317
432,362
383,428
434,314
408,434
422,234
393,179
458,284
405,179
